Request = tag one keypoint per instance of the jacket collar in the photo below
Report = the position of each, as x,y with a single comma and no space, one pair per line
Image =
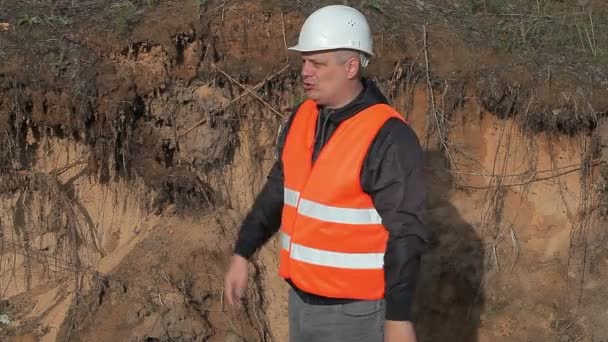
369,96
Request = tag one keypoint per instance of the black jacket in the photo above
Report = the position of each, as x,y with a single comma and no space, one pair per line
393,176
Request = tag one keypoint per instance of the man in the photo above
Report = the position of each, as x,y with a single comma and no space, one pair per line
347,194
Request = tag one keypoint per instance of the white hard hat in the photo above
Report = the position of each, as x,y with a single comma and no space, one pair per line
335,27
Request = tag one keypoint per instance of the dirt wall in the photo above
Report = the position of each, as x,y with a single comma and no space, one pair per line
129,162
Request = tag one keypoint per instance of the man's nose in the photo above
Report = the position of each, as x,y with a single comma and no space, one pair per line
306,69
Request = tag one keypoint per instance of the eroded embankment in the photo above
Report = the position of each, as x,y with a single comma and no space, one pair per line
125,177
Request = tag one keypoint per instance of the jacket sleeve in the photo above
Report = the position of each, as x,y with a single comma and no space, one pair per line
393,176
264,218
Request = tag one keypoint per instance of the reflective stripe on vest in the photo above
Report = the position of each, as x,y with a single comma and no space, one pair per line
290,197
332,259
285,240
328,213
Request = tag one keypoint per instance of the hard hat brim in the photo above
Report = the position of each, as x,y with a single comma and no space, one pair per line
299,48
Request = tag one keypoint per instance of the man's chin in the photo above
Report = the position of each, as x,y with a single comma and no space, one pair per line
311,94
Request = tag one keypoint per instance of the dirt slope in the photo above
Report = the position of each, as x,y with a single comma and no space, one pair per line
130,152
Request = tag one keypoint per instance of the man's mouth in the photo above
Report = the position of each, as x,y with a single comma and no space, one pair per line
308,86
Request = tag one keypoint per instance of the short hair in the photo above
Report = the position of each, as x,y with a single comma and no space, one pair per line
343,56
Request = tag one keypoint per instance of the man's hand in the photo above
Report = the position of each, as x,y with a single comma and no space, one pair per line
235,281
399,331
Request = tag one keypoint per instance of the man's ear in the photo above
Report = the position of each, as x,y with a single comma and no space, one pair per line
352,67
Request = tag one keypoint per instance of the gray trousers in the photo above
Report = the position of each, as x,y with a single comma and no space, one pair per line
361,321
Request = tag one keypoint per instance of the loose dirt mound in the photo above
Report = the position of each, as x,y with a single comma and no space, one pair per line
130,151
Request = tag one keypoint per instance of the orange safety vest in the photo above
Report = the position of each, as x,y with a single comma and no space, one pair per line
332,237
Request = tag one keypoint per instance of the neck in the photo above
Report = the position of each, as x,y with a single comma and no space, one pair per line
347,95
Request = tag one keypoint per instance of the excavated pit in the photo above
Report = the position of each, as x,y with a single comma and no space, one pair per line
129,158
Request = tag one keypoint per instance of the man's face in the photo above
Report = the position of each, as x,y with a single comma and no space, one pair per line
323,76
